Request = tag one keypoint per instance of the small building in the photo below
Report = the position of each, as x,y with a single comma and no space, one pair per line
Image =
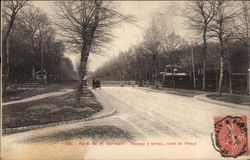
41,76
181,77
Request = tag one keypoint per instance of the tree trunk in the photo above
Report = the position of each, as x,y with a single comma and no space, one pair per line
248,51
173,77
140,79
204,74
6,60
221,76
204,60
172,66
194,78
246,16
86,49
6,43
230,77
220,36
155,71
5,38
155,76
81,77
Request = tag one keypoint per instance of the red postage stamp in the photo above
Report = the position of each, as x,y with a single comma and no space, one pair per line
231,136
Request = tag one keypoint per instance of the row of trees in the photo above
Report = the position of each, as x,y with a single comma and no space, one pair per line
30,45
84,26
225,21
223,26
136,64
87,25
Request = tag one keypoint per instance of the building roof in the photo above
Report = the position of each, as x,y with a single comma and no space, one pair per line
40,72
175,74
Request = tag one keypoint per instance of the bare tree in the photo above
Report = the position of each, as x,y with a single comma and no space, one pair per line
32,22
37,28
171,43
221,28
10,10
199,14
241,30
152,45
140,59
87,26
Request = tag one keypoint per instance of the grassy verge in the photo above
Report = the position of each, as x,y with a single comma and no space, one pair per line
49,110
96,133
236,99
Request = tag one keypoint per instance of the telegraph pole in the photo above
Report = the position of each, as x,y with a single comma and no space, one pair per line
248,76
42,61
192,52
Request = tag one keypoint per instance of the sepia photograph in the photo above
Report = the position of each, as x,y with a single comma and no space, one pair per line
125,80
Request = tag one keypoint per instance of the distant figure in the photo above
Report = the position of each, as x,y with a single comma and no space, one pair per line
93,83
98,84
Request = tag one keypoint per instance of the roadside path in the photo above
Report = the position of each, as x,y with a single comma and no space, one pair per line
41,96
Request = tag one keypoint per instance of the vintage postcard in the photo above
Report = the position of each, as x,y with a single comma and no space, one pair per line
100,79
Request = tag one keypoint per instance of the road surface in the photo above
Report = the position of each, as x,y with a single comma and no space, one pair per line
158,114
160,125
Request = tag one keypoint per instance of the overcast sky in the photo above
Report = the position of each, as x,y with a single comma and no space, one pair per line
128,35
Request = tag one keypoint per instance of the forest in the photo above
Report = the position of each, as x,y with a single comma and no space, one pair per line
219,51
32,45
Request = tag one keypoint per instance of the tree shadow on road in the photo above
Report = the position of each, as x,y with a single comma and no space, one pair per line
96,133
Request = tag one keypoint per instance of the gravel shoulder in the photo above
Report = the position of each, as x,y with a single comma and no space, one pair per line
231,98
